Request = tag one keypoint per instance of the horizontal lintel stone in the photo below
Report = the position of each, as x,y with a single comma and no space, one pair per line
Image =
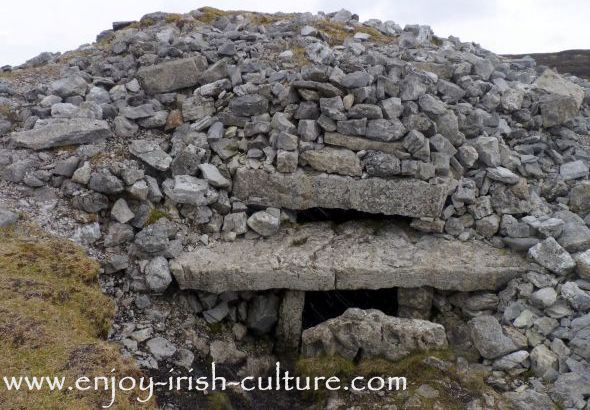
302,190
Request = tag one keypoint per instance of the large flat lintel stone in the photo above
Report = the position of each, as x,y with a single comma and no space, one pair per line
172,75
303,190
62,132
355,255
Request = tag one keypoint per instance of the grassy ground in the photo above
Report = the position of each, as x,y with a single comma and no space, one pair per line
456,388
337,33
53,321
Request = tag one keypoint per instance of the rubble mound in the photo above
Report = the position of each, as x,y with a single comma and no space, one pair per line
181,149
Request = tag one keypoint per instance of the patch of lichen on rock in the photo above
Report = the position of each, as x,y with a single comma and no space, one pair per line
336,33
436,369
53,322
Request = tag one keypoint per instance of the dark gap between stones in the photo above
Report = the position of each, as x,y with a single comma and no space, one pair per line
321,306
343,215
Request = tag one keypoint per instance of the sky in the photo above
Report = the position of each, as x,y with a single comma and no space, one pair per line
29,27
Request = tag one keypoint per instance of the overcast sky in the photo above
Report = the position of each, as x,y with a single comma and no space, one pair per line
28,27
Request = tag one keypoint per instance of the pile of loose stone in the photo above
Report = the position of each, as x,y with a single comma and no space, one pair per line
148,129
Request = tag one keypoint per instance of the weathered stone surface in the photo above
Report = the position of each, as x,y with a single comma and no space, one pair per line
157,274
263,313
68,86
379,164
557,109
59,132
543,361
264,223
553,83
186,189
488,337
299,190
318,258
573,170
583,265
151,153
213,176
250,104
552,256
172,75
414,303
289,325
361,144
529,400
374,334
7,218
160,348
334,161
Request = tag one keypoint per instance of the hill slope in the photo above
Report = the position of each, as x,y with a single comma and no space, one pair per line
575,62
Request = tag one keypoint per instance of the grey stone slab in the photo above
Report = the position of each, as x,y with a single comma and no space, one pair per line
300,190
355,255
59,132
172,75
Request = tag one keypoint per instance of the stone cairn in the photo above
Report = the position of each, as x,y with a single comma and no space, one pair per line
183,133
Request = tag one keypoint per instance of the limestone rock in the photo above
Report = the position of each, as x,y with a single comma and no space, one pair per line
264,223
226,353
213,176
263,313
374,334
333,161
554,83
151,153
488,337
7,217
552,256
157,274
529,400
59,132
172,75
318,258
248,105
299,190
160,348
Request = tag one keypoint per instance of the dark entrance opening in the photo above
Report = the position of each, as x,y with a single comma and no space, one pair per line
321,306
342,215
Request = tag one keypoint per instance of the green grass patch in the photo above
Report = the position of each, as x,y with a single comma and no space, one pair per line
456,389
337,33
219,401
53,322
155,215
210,14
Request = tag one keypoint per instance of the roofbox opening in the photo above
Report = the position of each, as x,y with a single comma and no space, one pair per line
342,215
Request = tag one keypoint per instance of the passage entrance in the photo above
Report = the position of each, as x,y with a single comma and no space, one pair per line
321,306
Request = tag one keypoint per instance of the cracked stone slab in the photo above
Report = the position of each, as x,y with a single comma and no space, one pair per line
52,133
302,190
355,255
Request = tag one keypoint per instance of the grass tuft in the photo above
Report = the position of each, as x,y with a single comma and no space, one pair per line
155,215
210,14
337,33
456,389
8,112
53,321
218,401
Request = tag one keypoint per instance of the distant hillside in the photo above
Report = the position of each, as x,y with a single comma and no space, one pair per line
575,62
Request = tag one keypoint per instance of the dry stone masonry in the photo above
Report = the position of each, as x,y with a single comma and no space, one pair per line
186,147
